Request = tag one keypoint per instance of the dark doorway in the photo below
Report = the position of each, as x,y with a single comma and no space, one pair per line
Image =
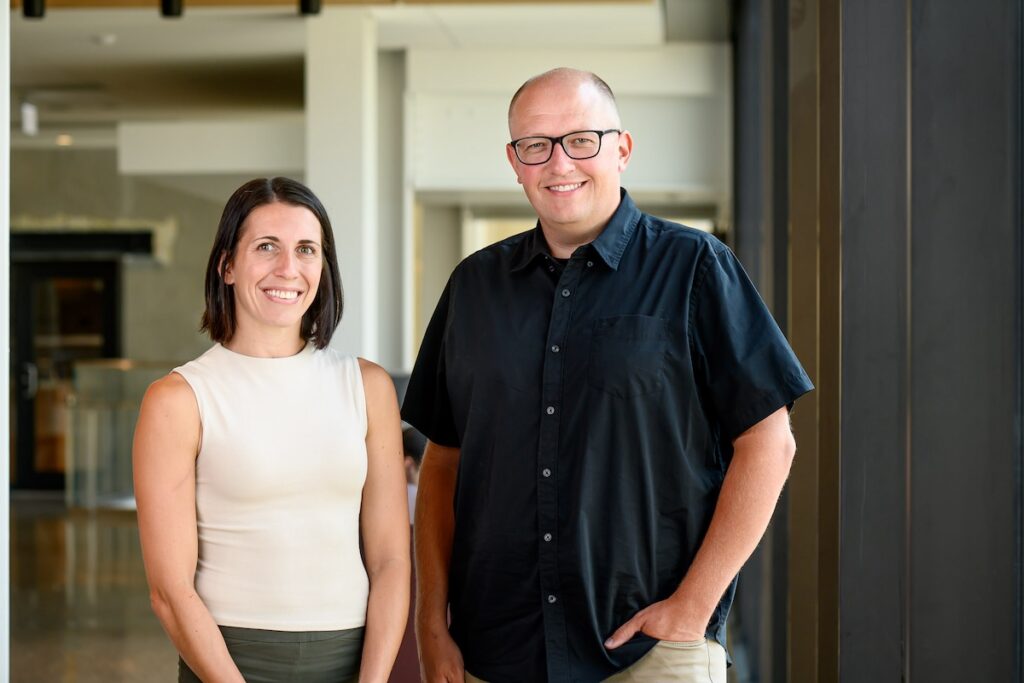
61,311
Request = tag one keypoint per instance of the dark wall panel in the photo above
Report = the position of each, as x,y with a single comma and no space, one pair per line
874,340
966,354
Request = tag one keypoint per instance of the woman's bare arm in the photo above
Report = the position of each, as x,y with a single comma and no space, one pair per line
167,439
384,526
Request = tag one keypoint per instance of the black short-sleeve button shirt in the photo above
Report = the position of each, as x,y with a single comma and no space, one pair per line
594,401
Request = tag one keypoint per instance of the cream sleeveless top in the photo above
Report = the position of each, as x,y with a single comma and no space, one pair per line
279,479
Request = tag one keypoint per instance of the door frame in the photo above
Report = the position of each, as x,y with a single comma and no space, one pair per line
24,273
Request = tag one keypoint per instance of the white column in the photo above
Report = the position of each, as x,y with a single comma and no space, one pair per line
5,351
341,158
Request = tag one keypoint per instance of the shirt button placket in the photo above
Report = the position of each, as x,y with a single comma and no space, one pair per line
547,483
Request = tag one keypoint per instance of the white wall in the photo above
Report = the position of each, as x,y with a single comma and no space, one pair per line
439,250
390,88
254,147
341,159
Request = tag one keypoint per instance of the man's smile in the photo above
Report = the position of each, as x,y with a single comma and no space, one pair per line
569,187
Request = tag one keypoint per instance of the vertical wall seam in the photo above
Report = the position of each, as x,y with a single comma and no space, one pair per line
908,348
1019,465
838,376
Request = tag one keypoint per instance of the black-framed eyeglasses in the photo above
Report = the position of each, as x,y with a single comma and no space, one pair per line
579,144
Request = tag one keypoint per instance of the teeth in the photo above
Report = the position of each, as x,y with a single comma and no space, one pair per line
566,188
281,294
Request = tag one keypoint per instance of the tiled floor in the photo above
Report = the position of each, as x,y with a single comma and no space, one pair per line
79,604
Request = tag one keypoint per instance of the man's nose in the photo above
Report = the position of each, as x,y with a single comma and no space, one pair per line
560,162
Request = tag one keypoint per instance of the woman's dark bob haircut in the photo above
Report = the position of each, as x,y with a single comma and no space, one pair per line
323,316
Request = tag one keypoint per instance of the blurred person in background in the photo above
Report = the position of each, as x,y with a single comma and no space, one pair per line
413,444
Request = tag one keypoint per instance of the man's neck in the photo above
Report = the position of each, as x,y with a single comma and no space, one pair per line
562,242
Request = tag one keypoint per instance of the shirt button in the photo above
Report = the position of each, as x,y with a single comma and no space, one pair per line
590,264
552,599
566,292
546,472
547,538
551,269
550,410
555,349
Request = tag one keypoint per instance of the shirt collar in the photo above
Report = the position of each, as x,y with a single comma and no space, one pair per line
609,245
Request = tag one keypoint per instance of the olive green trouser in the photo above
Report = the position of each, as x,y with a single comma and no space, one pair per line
285,656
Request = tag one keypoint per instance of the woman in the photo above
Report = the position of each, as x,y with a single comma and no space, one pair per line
262,465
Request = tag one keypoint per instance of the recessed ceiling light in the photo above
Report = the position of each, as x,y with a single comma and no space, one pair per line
104,39
64,140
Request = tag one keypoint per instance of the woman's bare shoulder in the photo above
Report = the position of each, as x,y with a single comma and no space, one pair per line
171,394
377,382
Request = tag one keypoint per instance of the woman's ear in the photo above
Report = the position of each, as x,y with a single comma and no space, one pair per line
224,268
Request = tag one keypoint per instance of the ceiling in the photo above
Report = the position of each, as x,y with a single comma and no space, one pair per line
87,69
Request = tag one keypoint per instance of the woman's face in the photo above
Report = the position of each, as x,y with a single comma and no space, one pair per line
276,267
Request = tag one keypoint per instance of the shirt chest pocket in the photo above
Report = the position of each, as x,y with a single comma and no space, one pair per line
628,355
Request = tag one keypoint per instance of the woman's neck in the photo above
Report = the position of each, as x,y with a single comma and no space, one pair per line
266,344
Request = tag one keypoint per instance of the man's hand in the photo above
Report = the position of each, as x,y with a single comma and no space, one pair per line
663,620
440,659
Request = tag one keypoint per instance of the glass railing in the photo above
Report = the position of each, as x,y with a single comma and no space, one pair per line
102,409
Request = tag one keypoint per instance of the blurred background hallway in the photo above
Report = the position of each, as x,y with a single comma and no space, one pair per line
79,597
863,158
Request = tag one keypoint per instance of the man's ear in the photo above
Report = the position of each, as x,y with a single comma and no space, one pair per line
224,268
625,149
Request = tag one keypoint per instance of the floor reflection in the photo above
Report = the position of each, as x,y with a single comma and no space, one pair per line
79,604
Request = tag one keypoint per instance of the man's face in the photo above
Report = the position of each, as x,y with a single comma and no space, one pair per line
572,196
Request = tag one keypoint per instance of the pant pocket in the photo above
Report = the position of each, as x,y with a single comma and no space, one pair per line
683,644
701,661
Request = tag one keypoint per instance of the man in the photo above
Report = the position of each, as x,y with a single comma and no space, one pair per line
605,400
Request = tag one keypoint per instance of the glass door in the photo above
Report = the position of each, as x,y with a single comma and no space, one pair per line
61,311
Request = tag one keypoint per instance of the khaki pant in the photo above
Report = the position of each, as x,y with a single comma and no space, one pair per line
700,661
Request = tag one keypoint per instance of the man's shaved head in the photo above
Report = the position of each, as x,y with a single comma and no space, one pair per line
567,77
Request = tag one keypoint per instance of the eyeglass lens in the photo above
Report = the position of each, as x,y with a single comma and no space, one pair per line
579,145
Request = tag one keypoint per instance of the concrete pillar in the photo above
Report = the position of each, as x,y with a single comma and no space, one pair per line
341,159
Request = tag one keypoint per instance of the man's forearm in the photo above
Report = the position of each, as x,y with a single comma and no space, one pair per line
760,465
433,529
